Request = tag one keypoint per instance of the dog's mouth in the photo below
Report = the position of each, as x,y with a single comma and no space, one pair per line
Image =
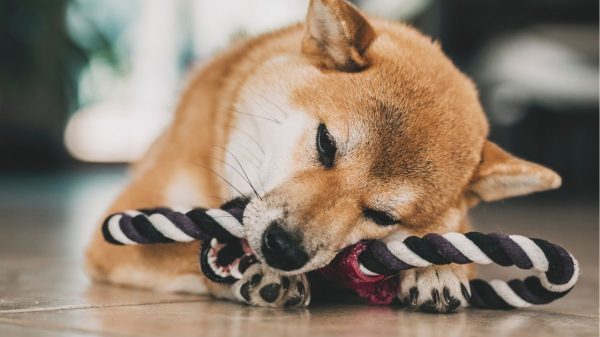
226,258
226,262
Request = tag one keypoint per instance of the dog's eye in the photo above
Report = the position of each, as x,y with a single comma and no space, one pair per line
326,147
379,217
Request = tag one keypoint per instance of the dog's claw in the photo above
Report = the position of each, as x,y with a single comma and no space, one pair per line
413,296
435,296
466,293
429,307
436,289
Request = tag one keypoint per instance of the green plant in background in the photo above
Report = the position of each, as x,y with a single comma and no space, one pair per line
98,28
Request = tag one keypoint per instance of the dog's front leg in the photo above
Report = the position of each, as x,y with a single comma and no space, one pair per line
435,289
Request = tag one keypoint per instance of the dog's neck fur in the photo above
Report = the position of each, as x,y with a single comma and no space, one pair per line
261,142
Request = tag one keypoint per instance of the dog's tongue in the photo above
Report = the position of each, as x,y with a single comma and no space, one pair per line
344,270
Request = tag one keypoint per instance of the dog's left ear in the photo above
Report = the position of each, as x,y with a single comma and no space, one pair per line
501,175
337,35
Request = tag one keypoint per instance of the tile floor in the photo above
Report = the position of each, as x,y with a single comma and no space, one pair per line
45,222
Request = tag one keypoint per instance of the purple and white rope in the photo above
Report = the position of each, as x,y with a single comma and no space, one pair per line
558,269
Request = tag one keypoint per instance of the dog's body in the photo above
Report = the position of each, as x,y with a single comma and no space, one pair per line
340,129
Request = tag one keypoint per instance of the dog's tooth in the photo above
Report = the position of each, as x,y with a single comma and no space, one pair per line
216,245
221,272
234,270
236,273
212,263
366,271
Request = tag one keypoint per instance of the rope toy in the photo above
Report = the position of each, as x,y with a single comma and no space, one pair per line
366,266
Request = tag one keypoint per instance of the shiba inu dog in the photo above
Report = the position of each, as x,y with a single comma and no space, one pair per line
340,129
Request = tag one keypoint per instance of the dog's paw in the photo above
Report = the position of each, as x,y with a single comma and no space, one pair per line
435,289
262,287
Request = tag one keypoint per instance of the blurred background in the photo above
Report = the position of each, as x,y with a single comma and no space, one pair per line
86,85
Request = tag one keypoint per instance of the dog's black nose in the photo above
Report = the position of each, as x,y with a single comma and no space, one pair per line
282,250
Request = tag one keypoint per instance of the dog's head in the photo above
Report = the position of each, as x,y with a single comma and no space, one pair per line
381,133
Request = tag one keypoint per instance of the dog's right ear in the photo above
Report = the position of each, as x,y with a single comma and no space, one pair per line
337,35
501,175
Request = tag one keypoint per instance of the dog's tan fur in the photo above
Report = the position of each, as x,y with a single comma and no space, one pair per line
411,132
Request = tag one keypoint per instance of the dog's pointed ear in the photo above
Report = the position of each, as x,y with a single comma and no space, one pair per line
337,35
501,175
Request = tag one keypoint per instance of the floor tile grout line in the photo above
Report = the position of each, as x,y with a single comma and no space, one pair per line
89,306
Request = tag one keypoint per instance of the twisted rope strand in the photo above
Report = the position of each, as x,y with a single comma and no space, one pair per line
558,269
161,225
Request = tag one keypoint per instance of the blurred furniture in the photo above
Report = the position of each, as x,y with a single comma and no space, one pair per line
38,69
536,65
